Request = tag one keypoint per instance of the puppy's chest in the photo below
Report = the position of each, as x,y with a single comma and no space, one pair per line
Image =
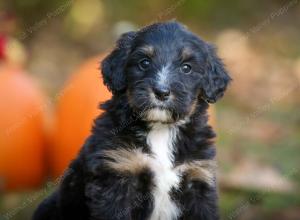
161,139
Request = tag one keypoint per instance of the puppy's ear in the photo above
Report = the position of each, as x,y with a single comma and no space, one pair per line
216,77
113,65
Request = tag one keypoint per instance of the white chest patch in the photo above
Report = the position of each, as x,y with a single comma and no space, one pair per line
161,141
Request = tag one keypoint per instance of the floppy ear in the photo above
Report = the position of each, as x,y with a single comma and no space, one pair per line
113,65
216,77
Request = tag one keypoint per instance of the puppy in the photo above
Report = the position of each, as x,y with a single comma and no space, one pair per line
151,154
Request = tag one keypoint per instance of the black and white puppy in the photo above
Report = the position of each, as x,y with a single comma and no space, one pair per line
151,154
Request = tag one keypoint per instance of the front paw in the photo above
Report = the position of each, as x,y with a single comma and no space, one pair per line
197,193
123,180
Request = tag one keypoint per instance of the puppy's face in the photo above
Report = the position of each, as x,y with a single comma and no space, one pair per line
164,70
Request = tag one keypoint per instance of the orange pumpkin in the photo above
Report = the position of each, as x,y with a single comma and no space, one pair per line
22,131
76,109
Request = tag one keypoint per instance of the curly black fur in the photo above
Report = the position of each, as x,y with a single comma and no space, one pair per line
93,190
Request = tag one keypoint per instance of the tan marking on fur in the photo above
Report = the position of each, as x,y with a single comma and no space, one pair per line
203,170
193,107
148,50
127,161
186,53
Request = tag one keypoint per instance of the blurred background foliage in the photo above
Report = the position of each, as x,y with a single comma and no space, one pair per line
257,121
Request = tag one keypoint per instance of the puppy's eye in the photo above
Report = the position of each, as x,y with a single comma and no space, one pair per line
144,64
186,68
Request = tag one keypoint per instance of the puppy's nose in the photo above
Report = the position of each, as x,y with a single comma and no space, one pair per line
161,93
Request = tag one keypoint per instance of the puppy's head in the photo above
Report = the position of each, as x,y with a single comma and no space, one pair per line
164,69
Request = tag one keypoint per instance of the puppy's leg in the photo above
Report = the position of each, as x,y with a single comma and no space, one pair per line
200,202
199,194
120,186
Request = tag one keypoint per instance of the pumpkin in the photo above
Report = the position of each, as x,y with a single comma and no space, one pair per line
22,130
77,107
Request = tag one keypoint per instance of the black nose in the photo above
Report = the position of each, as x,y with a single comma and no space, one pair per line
161,93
